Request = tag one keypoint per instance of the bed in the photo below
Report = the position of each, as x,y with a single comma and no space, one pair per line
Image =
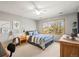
40,40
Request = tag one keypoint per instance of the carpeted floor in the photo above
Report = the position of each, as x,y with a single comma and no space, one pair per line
28,50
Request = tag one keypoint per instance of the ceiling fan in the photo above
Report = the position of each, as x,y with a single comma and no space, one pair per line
37,10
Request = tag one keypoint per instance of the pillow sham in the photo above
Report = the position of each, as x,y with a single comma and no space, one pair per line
30,33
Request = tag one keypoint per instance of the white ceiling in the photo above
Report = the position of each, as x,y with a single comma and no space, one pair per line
48,8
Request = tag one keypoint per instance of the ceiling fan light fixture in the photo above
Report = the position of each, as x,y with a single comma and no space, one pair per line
37,12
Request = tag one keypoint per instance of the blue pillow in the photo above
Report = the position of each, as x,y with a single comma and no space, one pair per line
35,33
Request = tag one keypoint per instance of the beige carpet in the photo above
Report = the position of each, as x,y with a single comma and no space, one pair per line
28,50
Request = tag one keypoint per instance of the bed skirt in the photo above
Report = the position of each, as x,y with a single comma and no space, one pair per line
46,45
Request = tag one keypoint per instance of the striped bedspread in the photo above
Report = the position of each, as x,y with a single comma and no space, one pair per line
41,39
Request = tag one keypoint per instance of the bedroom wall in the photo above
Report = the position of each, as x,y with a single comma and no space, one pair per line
69,18
28,24
25,23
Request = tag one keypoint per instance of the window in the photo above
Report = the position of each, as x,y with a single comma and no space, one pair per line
55,27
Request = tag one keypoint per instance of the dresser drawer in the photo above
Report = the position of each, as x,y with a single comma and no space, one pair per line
69,49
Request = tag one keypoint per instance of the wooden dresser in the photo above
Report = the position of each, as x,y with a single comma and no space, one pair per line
69,48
